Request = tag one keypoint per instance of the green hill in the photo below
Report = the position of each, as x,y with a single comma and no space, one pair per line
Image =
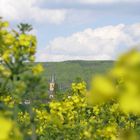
66,72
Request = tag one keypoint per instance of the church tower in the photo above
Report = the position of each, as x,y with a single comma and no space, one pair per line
52,86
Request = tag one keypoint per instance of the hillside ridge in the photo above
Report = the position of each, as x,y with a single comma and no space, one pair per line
67,71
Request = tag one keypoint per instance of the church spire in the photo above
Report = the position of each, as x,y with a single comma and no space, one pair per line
52,84
53,79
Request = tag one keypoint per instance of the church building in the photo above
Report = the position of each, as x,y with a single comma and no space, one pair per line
52,85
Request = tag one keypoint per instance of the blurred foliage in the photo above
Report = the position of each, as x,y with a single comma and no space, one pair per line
121,83
20,80
108,111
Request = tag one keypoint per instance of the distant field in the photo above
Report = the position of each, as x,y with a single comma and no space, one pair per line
66,72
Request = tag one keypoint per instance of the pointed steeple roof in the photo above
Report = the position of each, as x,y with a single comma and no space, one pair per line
52,79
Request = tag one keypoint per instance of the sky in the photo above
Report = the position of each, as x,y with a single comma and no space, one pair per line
77,29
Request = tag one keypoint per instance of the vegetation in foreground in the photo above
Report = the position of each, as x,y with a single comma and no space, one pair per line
109,110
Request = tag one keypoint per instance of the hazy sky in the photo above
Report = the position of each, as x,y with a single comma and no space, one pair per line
78,29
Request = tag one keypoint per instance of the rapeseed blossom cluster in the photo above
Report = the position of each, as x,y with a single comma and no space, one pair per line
79,88
37,69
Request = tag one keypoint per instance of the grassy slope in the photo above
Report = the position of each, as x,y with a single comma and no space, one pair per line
66,72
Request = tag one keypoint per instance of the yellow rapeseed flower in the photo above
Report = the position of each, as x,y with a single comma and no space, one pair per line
37,69
5,128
